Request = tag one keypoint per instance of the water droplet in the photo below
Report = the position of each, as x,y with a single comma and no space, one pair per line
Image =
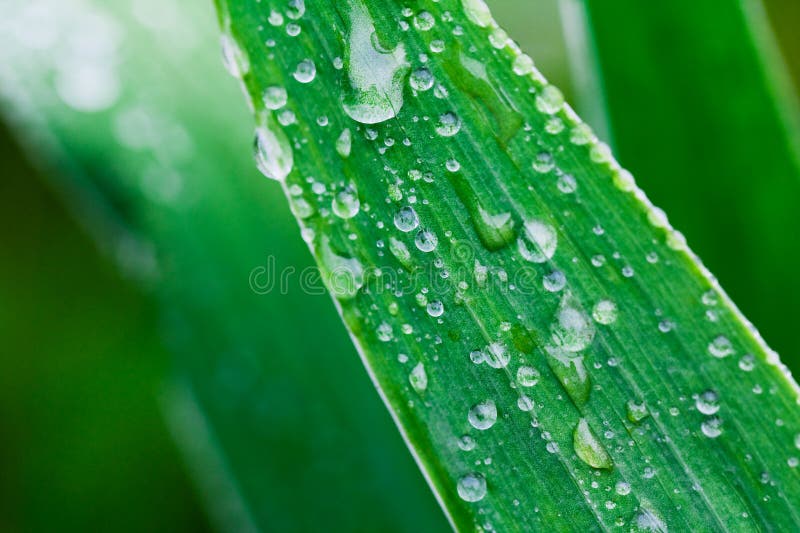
623,488
588,447
449,124
543,163
418,378
707,402
421,80
426,241
567,184
306,71
550,100
523,64
646,520
573,330
296,9
406,219
712,427
384,332
538,242
345,203
605,312
233,57
720,347
374,88
344,143
471,487
466,443
524,403
747,363
496,355
571,373
343,276
527,376
273,153
554,281
496,231
483,415
400,251
435,308
424,21
637,411
275,97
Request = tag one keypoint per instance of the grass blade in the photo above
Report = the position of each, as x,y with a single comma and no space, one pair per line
728,122
183,210
536,327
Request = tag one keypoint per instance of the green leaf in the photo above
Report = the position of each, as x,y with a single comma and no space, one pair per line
728,122
153,157
537,354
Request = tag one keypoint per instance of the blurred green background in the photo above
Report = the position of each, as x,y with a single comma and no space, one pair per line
145,385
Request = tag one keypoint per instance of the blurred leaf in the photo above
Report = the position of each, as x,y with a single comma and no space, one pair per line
83,441
720,147
127,106
554,354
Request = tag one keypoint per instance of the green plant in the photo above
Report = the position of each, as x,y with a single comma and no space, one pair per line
553,353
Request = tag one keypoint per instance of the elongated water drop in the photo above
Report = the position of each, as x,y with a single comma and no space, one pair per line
418,378
273,153
538,242
374,84
344,143
344,276
572,330
345,203
571,373
637,411
589,448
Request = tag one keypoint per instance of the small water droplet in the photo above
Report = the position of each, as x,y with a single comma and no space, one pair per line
466,443
637,411
418,378
550,100
275,97
623,488
306,71
605,312
426,241
554,281
406,219
384,332
527,376
543,163
471,487
720,347
345,203
707,402
421,79
435,308
449,124
712,427
344,143
483,415
424,21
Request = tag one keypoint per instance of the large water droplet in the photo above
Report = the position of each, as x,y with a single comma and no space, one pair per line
426,241
478,12
275,97
527,376
233,57
589,448
483,415
374,85
421,79
571,373
495,231
605,312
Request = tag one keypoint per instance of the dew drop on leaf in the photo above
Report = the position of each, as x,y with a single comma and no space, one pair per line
588,447
483,415
471,487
